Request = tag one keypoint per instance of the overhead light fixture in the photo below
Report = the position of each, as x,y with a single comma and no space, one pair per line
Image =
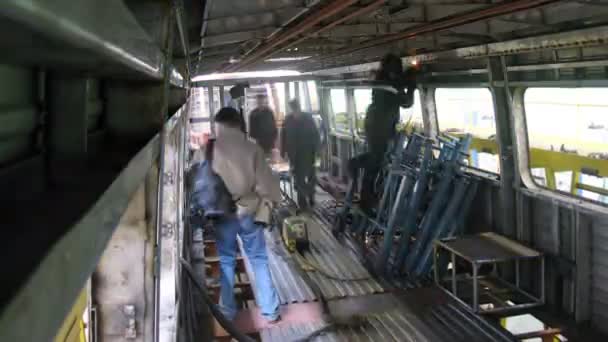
287,59
250,74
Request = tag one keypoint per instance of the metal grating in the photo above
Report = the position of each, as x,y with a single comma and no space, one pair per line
327,253
388,326
599,271
444,322
289,284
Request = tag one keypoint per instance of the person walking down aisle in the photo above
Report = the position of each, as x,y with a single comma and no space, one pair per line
262,125
241,165
300,142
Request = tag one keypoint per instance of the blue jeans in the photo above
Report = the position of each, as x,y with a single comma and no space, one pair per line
252,236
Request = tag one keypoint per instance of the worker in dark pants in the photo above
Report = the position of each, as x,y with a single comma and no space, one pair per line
262,125
380,120
300,143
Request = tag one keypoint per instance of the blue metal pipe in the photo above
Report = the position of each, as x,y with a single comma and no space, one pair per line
433,214
409,224
450,212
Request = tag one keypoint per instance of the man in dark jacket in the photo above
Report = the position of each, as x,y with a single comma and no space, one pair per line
380,120
300,143
262,125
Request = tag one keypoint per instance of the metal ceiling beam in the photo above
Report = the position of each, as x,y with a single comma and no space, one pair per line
563,40
262,7
361,11
182,25
235,37
474,37
304,26
87,26
525,22
448,23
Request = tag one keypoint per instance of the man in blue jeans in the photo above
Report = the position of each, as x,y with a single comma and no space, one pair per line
242,166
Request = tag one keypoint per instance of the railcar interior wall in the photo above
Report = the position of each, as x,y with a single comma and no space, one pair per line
98,100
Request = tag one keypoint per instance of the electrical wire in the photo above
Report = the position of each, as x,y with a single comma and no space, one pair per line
313,266
222,320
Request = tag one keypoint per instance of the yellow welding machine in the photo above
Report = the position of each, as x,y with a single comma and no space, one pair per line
295,234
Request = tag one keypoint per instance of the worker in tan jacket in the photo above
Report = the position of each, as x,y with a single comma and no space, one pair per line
241,164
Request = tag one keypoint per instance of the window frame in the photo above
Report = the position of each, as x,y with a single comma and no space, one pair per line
333,125
487,174
521,152
355,117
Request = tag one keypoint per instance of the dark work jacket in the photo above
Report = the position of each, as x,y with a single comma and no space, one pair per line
383,113
300,138
209,193
263,127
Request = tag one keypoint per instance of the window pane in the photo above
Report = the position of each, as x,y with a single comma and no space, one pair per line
314,97
412,117
292,90
338,109
408,117
281,100
470,110
304,99
363,98
568,138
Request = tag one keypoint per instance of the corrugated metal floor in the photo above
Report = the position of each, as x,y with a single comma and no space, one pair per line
327,253
388,326
418,315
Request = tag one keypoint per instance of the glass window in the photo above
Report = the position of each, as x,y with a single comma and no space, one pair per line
292,90
313,96
470,111
412,117
568,139
363,98
279,88
304,99
338,110
408,117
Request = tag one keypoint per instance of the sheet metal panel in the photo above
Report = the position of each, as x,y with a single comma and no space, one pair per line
446,322
327,253
388,326
599,274
289,284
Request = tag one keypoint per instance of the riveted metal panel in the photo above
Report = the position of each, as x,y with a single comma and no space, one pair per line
18,114
599,274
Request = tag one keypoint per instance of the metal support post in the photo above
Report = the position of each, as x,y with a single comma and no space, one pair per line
429,112
435,269
431,216
160,333
502,107
475,288
222,97
517,273
454,285
405,186
424,262
296,87
420,189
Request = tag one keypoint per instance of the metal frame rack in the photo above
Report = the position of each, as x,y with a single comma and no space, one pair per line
487,249
425,196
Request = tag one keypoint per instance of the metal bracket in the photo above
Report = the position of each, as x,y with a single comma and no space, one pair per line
167,229
168,178
130,331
